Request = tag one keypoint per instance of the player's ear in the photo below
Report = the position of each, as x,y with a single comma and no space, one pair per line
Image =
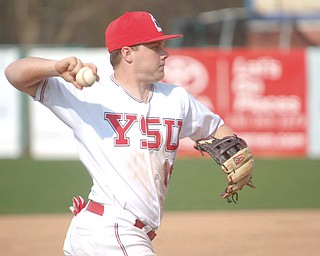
126,53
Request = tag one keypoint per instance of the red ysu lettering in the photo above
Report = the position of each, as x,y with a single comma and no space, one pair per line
121,123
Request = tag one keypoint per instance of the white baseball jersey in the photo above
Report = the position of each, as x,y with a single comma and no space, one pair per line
128,146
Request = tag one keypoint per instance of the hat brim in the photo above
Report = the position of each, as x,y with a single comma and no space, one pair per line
162,38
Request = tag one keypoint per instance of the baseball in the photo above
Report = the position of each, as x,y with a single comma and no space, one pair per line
85,77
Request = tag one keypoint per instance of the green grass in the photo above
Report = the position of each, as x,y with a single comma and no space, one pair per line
281,184
28,186
41,186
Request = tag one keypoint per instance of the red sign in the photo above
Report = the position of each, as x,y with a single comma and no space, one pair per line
260,94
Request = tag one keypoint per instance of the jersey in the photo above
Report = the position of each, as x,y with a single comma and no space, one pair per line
128,146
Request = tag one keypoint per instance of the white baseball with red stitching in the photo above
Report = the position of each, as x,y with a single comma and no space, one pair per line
85,77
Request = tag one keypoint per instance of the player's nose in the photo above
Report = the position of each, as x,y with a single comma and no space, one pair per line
164,54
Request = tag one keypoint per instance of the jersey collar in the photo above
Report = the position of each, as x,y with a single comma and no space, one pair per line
113,79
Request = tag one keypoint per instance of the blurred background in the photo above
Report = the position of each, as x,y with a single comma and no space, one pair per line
241,23
255,63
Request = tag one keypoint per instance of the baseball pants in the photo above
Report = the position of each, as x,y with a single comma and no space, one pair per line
111,234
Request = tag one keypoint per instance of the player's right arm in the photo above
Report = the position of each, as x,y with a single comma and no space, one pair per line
28,73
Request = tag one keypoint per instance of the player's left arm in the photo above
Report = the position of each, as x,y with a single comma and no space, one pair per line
223,131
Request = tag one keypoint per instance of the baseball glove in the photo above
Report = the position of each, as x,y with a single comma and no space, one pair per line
235,159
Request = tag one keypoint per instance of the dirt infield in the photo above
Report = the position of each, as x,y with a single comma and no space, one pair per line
241,233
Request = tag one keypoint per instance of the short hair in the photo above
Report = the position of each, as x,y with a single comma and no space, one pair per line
115,56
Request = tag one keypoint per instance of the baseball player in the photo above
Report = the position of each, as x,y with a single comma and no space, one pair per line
127,130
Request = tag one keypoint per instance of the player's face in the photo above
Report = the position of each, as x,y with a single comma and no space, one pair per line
150,61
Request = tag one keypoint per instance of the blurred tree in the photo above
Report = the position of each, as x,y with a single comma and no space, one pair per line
83,22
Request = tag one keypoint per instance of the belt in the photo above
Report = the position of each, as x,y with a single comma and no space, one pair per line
99,210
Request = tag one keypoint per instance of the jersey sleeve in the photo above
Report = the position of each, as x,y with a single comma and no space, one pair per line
199,122
63,99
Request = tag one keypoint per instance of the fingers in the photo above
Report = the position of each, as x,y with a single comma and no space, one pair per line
78,203
68,68
94,70
67,65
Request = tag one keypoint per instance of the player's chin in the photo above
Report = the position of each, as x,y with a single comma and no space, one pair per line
160,74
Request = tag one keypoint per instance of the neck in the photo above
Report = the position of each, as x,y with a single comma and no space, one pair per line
139,89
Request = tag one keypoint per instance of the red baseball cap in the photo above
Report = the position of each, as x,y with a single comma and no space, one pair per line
134,28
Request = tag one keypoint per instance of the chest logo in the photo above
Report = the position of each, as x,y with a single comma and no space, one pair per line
157,131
